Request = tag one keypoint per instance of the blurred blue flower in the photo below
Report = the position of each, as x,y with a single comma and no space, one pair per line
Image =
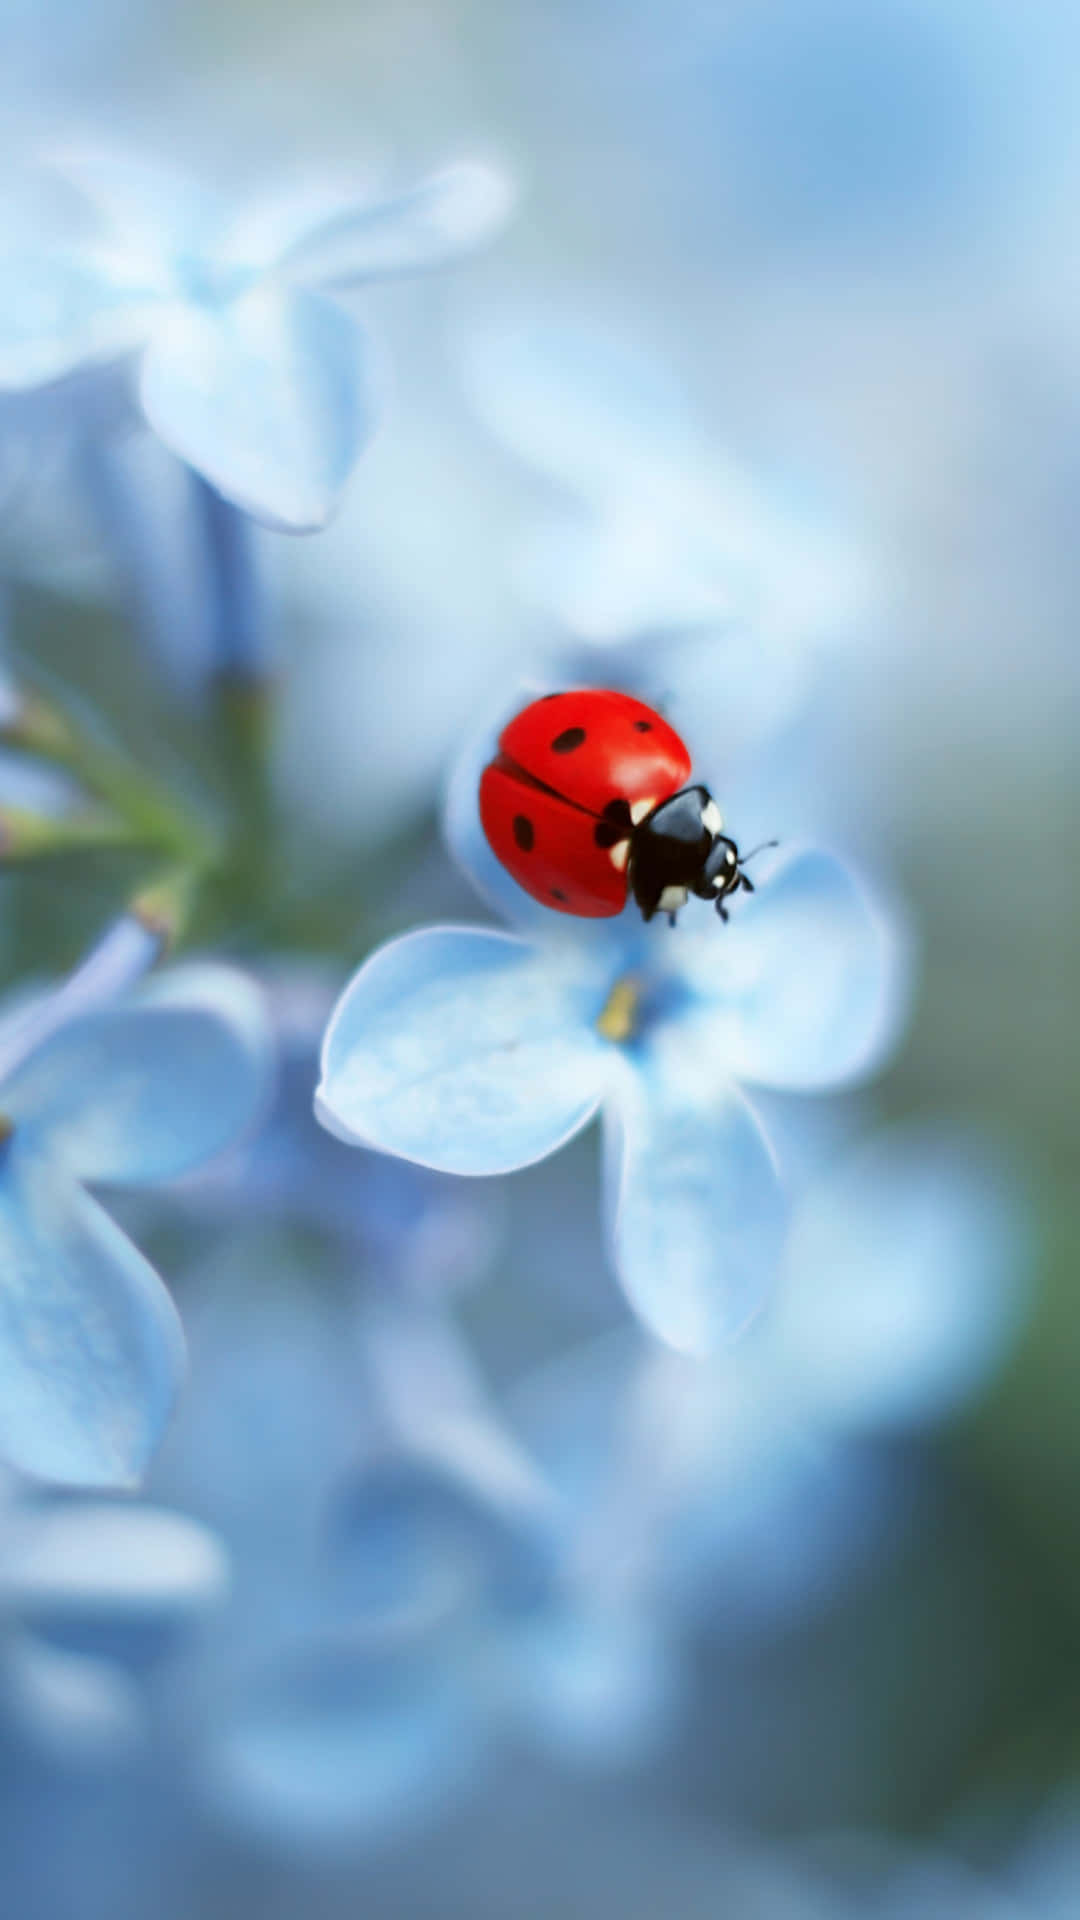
291,1722
410,1599
545,1577
419,1231
89,1591
249,367
737,1490
738,586
449,1610
478,1052
91,1350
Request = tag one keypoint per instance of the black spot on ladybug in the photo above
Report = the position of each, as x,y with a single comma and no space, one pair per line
523,833
642,726
614,825
568,740
558,894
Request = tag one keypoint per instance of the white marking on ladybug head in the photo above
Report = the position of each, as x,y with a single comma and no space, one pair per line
712,818
619,855
672,899
640,809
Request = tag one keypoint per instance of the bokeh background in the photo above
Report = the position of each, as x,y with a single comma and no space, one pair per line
846,234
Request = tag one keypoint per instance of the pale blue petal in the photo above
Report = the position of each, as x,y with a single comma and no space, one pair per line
254,235
115,965
61,313
344,1741
575,399
621,573
417,1542
904,1280
806,987
696,1207
103,1557
145,1090
598,1686
573,1412
165,215
265,397
465,1050
445,216
79,1709
91,1350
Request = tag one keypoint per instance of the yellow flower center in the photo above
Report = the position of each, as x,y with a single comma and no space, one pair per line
617,1019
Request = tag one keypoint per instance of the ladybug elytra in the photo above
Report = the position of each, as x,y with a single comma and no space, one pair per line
587,802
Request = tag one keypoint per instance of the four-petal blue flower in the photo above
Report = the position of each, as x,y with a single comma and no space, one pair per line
478,1052
249,367
91,1349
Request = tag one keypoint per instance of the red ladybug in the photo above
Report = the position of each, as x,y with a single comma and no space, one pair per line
587,801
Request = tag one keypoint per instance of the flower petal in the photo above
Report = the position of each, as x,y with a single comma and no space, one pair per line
904,1280
448,214
343,1739
158,212
62,313
807,987
573,397
98,1557
91,1350
417,1542
697,1209
80,1709
464,1050
145,1090
266,397
599,1686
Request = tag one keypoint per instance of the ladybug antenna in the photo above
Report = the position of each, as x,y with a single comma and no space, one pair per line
760,848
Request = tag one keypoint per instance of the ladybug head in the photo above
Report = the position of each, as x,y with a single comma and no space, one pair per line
680,848
722,872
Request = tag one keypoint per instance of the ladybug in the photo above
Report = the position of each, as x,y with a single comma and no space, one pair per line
587,800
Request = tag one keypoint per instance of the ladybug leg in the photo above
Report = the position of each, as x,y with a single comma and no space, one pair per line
671,919
722,911
748,884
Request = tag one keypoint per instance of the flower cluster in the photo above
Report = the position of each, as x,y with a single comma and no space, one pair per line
470,1365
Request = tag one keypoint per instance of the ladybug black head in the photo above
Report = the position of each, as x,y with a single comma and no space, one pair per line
679,849
722,873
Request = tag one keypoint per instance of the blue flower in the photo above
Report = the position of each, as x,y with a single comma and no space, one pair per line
248,367
89,1590
737,1490
660,538
451,1605
129,1094
426,1233
478,1052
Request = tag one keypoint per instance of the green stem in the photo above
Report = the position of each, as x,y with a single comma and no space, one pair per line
28,836
148,815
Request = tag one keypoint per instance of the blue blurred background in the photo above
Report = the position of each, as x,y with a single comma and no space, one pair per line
764,403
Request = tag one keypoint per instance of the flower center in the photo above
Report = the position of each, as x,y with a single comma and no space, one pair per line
618,1017
206,283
